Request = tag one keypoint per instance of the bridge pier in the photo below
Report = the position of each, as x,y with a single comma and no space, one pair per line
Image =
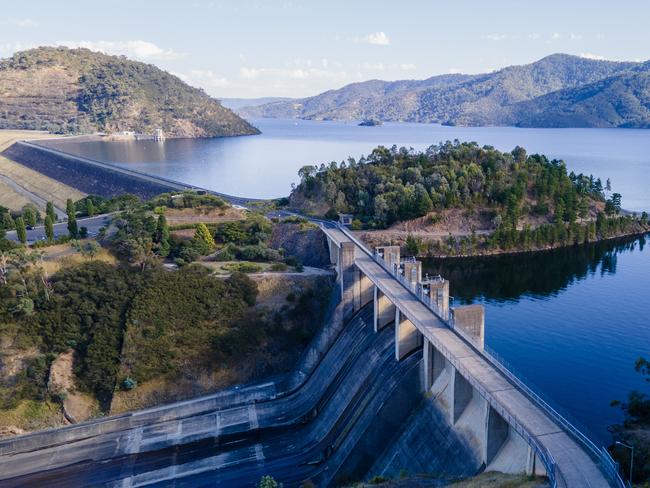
366,290
497,431
407,336
349,277
462,395
334,252
384,310
433,363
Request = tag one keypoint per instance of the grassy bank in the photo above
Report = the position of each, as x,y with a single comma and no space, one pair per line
32,181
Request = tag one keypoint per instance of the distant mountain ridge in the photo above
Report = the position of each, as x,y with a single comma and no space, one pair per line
237,103
80,91
559,90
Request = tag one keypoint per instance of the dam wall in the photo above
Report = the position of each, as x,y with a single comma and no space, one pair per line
89,177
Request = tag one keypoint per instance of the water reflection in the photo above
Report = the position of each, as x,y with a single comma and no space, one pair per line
539,275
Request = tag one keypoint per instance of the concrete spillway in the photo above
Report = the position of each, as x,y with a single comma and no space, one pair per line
328,429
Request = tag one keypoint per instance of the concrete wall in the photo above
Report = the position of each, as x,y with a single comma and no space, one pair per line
91,179
471,319
473,419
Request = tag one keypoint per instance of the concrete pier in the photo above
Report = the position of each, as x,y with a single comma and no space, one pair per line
407,336
349,274
391,255
384,310
471,320
439,294
413,271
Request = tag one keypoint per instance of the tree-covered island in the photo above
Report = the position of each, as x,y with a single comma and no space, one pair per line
460,198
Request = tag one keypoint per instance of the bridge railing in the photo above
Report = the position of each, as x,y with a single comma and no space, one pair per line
600,455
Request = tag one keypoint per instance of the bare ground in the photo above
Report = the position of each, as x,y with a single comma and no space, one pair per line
203,215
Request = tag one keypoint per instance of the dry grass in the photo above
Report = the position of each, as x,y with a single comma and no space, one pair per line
165,390
10,198
204,215
501,480
32,181
8,137
483,480
31,415
64,255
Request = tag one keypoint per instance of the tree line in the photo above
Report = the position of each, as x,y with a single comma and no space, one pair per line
392,184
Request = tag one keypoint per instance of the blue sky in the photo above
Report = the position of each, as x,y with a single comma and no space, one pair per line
299,48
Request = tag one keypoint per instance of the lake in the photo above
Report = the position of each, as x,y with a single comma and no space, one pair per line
573,321
264,166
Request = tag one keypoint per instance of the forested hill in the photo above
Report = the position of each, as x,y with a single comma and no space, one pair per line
392,185
80,91
557,91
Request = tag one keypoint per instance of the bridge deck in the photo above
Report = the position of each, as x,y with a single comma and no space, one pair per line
576,467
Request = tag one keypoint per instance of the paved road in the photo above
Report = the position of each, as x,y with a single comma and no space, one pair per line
93,224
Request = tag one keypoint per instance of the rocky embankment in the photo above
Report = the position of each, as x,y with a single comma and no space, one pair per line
304,241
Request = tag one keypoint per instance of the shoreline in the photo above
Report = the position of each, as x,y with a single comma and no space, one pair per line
493,253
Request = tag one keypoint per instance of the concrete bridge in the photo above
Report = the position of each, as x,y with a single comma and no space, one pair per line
514,429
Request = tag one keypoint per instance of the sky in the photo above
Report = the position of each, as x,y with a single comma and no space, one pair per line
294,48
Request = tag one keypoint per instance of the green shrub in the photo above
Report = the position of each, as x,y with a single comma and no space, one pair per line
129,383
243,267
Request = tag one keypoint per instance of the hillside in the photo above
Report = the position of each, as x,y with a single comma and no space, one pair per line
622,100
80,91
496,98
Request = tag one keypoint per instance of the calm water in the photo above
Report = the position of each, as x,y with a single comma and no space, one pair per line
266,165
571,321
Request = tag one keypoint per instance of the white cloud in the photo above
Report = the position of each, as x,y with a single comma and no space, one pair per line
22,23
454,71
496,37
575,37
204,79
9,48
406,66
592,56
373,66
289,73
534,35
377,38
137,49
555,36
